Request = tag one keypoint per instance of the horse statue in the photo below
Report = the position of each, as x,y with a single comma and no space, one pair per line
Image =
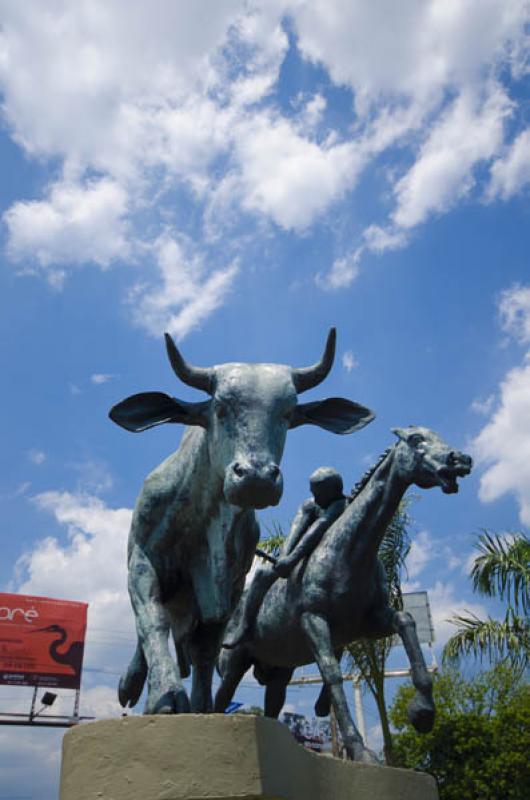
338,593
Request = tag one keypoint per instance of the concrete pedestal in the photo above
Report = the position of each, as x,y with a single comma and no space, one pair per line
191,757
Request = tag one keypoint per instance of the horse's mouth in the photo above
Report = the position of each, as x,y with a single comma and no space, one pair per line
448,477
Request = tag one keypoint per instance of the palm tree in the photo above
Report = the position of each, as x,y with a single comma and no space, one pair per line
368,656
501,569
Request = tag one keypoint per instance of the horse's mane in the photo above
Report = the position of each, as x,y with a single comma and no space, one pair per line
359,486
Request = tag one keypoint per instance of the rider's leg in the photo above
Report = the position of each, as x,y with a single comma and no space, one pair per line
251,600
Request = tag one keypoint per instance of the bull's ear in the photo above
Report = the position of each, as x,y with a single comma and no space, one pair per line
145,410
335,414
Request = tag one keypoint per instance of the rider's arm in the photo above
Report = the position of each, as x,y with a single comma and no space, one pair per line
305,515
286,563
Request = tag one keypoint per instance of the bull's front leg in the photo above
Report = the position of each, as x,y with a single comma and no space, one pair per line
205,646
166,694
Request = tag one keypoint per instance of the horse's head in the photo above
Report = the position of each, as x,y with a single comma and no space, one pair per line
428,461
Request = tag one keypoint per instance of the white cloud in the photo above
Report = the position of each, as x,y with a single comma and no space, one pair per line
514,310
421,552
445,603
483,406
74,389
343,272
37,457
410,51
312,112
378,239
349,362
41,749
511,173
503,444
75,224
185,293
91,566
182,101
470,131
101,377
288,177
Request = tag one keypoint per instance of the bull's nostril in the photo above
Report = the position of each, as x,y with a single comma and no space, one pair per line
238,469
274,471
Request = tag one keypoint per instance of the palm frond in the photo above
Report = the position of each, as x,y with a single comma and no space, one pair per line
272,543
494,639
502,568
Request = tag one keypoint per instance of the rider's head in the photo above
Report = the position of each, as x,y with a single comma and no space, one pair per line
326,486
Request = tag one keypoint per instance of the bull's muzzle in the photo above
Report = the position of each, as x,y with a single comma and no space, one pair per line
251,484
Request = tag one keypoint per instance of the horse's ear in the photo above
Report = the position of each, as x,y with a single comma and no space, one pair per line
335,414
147,409
400,433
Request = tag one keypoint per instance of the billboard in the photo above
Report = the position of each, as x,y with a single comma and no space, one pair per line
41,641
417,604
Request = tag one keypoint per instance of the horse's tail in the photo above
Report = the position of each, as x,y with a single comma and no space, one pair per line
132,683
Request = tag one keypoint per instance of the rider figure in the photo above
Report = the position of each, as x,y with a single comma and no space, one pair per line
314,517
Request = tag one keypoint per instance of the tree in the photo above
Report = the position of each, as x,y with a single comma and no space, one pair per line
501,569
369,656
478,748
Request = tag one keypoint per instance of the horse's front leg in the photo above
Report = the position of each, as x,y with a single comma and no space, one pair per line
205,645
318,634
421,708
166,694
232,665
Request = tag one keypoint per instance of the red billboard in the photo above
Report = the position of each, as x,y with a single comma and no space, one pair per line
41,641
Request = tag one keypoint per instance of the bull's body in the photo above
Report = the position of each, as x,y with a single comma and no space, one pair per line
194,530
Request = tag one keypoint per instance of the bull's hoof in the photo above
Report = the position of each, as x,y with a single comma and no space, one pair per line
172,702
130,688
421,713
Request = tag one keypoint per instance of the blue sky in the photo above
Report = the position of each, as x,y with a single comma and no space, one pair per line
246,175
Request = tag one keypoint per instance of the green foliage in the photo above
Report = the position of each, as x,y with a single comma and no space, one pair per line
502,569
272,543
478,748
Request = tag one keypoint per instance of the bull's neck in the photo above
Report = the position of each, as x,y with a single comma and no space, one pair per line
199,480
366,519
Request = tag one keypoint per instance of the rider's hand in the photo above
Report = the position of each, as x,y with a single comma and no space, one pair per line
283,567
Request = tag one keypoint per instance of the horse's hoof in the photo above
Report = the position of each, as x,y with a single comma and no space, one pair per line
173,702
369,757
181,702
421,713
322,707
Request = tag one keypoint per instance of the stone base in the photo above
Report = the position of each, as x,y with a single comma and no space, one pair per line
191,757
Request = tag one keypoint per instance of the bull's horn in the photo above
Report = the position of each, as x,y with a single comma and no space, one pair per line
198,377
308,377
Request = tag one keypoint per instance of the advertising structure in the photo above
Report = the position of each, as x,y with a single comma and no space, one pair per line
41,641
